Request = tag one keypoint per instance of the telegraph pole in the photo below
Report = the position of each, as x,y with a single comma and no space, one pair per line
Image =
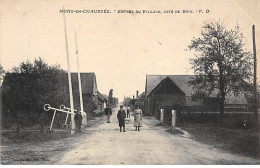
255,76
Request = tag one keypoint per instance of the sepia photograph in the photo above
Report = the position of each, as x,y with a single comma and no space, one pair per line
158,82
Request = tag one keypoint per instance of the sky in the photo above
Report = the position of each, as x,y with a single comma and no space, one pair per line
121,48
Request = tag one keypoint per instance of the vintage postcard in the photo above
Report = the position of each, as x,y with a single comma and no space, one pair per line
148,82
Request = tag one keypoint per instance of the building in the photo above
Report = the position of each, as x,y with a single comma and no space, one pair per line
89,92
116,101
102,103
167,91
105,96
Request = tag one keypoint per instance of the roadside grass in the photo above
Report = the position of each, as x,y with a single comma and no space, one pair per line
31,136
32,147
160,124
237,132
175,131
32,133
99,114
23,156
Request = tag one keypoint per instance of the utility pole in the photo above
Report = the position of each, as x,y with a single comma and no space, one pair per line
255,76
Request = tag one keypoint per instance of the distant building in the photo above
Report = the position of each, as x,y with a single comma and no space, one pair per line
126,101
102,103
163,91
116,101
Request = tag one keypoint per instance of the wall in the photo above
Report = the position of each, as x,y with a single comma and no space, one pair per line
89,102
100,108
157,101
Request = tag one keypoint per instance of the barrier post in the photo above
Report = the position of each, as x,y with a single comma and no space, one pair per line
173,119
161,115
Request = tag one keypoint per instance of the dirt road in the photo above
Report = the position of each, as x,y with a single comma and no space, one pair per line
152,145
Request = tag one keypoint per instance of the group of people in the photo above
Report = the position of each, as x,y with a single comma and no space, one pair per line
122,115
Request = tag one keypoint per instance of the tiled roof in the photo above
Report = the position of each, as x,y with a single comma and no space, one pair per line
182,81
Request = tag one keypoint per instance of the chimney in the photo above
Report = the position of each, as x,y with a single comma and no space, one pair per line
137,94
133,96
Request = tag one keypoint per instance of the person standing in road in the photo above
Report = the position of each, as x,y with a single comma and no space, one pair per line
121,118
108,112
138,118
78,121
128,112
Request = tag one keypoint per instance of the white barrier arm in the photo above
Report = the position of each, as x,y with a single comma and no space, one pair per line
47,107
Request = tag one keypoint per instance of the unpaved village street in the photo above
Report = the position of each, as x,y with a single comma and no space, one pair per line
104,144
152,145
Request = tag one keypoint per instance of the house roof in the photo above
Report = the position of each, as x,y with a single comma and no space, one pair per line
87,81
171,85
182,81
101,97
105,96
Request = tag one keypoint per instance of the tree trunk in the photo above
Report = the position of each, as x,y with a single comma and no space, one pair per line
222,102
222,93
